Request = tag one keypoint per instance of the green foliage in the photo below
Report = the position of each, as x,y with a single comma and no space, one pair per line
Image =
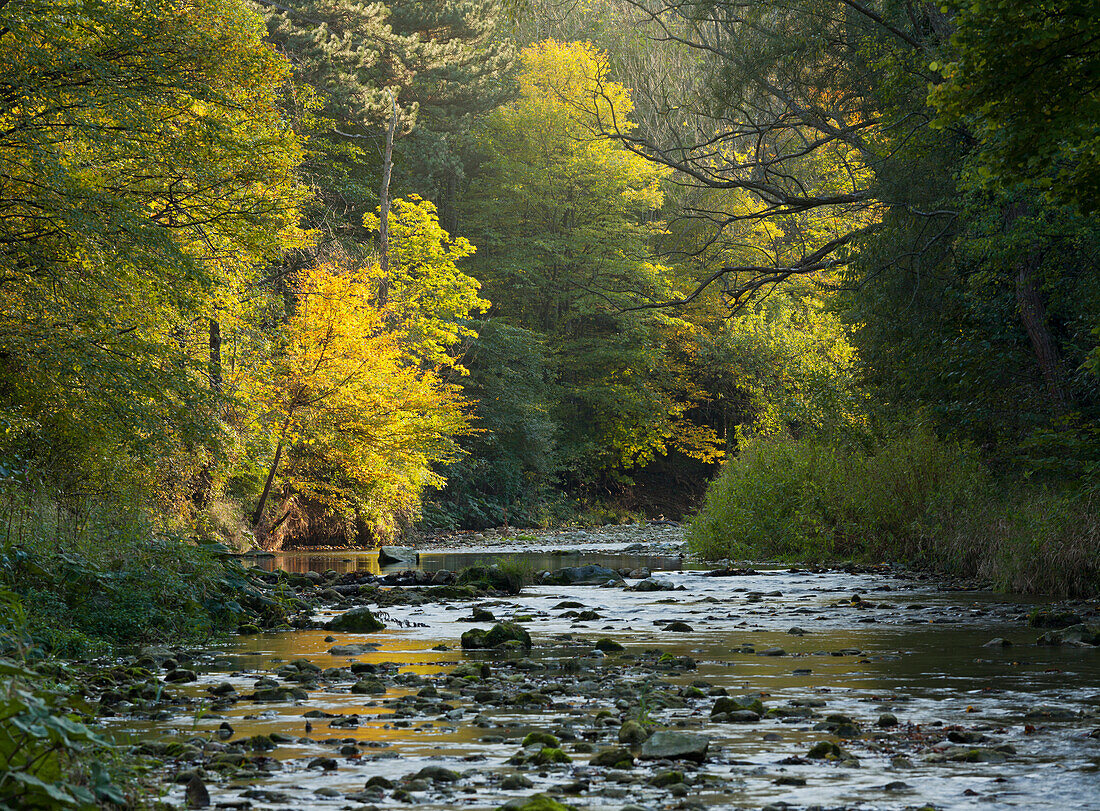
140,188
822,498
912,498
1022,76
563,219
111,580
354,391
504,477
49,759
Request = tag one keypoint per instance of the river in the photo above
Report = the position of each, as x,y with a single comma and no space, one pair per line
977,726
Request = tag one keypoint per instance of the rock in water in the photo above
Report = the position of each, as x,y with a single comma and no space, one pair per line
537,802
669,744
397,554
591,575
196,793
632,733
358,620
500,634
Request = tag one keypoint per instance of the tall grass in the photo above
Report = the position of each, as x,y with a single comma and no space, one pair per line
913,498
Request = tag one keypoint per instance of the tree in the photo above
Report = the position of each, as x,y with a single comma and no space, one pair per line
146,172
564,218
429,300
1024,78
361,428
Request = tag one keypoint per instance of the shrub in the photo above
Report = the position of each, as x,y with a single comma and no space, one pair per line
914,498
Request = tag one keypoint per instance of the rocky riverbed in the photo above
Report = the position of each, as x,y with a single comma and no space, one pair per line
625,680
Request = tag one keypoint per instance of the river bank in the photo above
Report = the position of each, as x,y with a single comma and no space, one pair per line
687,688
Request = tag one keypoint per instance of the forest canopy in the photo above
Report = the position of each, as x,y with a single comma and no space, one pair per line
318,272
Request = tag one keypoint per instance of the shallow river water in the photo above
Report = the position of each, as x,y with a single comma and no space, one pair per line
904,647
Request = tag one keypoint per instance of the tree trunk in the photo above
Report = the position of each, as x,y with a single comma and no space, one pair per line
258,514
384,208
259,511
215,367
1033,315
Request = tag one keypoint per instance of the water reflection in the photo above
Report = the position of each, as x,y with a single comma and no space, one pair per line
367,561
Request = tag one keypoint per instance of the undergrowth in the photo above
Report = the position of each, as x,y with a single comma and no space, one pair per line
913,498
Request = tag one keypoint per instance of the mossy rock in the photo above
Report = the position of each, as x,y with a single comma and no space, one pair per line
538,802
248,629
260,743
666,779
728,704
500,634
357,620
455,592
823,750
618,757
490,578
368,687
550,754
541,738
633,733
608,645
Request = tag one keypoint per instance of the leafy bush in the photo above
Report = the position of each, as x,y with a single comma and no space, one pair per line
913,497
48,759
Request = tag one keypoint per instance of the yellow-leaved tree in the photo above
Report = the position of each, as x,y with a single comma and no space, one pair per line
354,397
358,428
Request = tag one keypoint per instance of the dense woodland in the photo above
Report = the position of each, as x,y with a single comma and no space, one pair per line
320,272
326,273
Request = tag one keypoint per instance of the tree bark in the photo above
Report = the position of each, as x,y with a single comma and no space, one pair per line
258,514
215,367
1033,315
384,208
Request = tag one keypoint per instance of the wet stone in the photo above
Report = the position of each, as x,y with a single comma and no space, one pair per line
672,745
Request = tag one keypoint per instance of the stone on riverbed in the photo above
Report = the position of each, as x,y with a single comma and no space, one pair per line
357,620
618,757
633,733
350,650
436,774
669,744
397,554
591,575
500,634
539,738
538,802
730,705
1079,635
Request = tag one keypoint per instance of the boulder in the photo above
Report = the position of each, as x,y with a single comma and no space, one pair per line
537,802
632,733
729,704
670,744
357,620
436,774
406,555
590,575
1080,635
618,758
500,634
